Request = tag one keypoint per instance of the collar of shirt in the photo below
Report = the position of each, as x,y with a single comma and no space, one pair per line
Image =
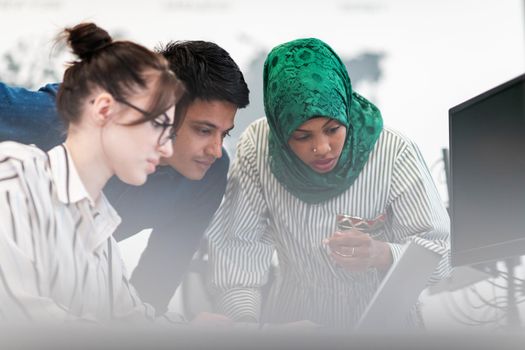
71,190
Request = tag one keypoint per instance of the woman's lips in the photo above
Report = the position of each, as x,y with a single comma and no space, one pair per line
152,165
324,165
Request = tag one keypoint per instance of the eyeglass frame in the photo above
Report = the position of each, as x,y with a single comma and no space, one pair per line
171,135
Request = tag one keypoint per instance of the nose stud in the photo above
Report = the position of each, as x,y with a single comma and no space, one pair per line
314,150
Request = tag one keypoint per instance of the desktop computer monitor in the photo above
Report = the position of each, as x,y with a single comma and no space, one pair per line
487,170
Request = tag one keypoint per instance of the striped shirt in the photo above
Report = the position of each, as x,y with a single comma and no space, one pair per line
58,259
259,216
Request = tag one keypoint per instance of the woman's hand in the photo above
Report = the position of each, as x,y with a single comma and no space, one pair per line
357,251
298,326
208,319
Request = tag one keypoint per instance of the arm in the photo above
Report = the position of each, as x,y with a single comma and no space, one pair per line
126,304
25,262
240,248
176,238
21,298
416,210
30,117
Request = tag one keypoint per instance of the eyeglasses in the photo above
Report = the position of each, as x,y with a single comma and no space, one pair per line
165,135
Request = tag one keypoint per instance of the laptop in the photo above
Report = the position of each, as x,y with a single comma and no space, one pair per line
399,291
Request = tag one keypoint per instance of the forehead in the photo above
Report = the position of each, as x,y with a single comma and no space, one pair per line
316,123
218,113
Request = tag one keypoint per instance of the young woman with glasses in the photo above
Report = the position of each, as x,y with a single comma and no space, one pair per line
58,259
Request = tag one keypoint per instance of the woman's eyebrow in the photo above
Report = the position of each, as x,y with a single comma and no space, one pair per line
324,125
302,130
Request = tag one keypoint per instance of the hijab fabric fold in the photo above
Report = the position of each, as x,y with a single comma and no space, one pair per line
303,79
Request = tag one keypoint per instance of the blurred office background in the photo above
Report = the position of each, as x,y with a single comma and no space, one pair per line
413,58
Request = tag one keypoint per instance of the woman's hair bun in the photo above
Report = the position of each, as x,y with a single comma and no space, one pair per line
86,39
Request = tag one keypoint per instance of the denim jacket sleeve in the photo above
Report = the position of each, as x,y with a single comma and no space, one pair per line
29,116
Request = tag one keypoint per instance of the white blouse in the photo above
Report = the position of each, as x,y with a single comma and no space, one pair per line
259,216
58,259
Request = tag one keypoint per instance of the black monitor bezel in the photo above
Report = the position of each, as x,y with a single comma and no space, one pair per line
486,253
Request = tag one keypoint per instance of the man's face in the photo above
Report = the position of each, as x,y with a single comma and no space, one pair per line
199,140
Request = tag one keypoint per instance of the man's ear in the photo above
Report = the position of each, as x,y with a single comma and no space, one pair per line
103,106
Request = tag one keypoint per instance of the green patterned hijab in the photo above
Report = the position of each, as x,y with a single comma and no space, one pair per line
303,79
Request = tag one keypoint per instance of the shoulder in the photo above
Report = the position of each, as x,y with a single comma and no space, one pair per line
393,140
392,135
403,152
258,128
50,89
10,150
255,137
16,96
26,166
252,150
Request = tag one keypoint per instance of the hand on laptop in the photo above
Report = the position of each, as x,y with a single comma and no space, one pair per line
208,319
295,326
357,251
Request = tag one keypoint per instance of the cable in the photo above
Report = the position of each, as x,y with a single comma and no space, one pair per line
491,304
496,285
471,321
506,276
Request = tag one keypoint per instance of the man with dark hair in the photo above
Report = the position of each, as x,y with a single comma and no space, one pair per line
177,201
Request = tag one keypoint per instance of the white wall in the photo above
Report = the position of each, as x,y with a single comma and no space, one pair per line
433,54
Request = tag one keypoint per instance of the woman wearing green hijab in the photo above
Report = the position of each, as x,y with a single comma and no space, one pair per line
321,151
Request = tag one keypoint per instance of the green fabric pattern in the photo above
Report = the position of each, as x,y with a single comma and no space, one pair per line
303,79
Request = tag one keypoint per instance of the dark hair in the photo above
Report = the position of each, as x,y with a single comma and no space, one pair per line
121,68
208,72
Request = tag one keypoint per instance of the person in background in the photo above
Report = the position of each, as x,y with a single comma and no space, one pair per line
58,258
179,199
321,151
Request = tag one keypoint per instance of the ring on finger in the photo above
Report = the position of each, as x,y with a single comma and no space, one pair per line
351,255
